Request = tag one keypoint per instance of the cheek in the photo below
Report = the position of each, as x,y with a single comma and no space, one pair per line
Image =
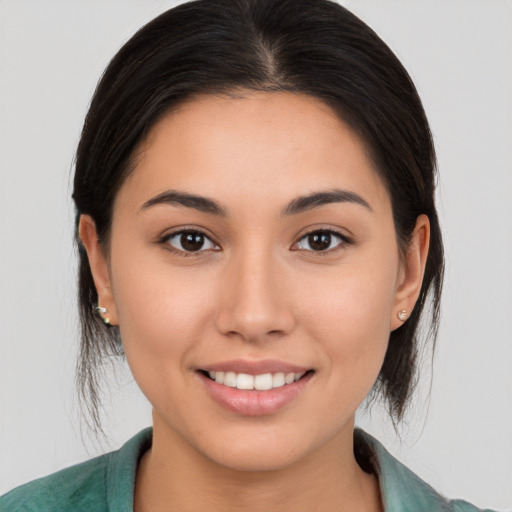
162,312
349,311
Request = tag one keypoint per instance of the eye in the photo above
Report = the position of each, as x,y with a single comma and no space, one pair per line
321,241
190,241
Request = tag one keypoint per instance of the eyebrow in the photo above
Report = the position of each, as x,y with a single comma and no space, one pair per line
297,205
317,199
175,198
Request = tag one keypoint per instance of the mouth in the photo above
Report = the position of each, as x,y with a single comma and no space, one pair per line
255,390
260,382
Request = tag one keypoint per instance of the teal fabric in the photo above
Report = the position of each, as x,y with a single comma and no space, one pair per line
402,490
102,484
106,484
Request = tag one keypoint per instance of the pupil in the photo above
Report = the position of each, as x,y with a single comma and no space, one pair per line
192,241
319,241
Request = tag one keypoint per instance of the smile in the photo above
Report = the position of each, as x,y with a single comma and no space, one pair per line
261,382
255,388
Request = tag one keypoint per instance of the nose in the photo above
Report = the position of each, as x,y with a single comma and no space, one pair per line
254,304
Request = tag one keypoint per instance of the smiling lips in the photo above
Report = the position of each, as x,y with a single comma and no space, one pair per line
261,382
254,389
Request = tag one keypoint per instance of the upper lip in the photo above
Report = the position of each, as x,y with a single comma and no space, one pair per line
255,367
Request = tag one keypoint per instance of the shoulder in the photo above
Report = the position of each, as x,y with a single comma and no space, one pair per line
80,487
91,485
401,489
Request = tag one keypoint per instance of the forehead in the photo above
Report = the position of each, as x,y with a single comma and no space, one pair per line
256,145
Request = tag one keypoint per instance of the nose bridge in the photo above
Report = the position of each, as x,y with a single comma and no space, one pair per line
253,305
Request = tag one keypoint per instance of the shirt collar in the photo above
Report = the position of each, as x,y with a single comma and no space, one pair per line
401,489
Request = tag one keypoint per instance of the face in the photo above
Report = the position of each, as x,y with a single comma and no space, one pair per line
254,272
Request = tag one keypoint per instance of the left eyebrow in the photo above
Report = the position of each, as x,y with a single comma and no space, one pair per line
317,199
176,198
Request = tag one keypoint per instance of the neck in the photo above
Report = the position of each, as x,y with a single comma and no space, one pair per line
173,476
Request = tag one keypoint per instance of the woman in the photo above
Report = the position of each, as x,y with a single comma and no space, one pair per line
254,187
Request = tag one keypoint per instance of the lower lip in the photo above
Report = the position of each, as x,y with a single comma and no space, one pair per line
253,402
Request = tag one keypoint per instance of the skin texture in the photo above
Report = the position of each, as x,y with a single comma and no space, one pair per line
257,291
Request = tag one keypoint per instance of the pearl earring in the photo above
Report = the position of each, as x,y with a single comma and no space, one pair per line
402,315
103,311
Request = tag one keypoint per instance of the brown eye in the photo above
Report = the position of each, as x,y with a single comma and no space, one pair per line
190,241
320,241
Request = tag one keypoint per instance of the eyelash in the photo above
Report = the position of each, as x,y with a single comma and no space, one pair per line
343,240
165,240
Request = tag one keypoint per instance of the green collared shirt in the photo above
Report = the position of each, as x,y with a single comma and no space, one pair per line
106,483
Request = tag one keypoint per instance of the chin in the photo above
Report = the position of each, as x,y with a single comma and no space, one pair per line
256,459
261,449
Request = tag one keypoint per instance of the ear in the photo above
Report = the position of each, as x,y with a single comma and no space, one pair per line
411,272
99,267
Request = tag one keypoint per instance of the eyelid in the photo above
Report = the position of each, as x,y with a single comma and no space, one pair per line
163,239
345,240
166,236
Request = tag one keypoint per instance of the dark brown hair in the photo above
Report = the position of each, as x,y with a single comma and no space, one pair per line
312,47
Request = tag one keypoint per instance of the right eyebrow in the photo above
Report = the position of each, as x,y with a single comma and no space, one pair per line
318,199
175,198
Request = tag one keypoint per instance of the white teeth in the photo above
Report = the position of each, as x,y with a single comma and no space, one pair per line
230,379
262,382
278,380
244,381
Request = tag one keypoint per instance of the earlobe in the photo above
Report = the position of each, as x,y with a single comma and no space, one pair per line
412,272
99,268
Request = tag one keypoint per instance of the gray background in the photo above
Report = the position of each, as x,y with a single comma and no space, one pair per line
458,52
